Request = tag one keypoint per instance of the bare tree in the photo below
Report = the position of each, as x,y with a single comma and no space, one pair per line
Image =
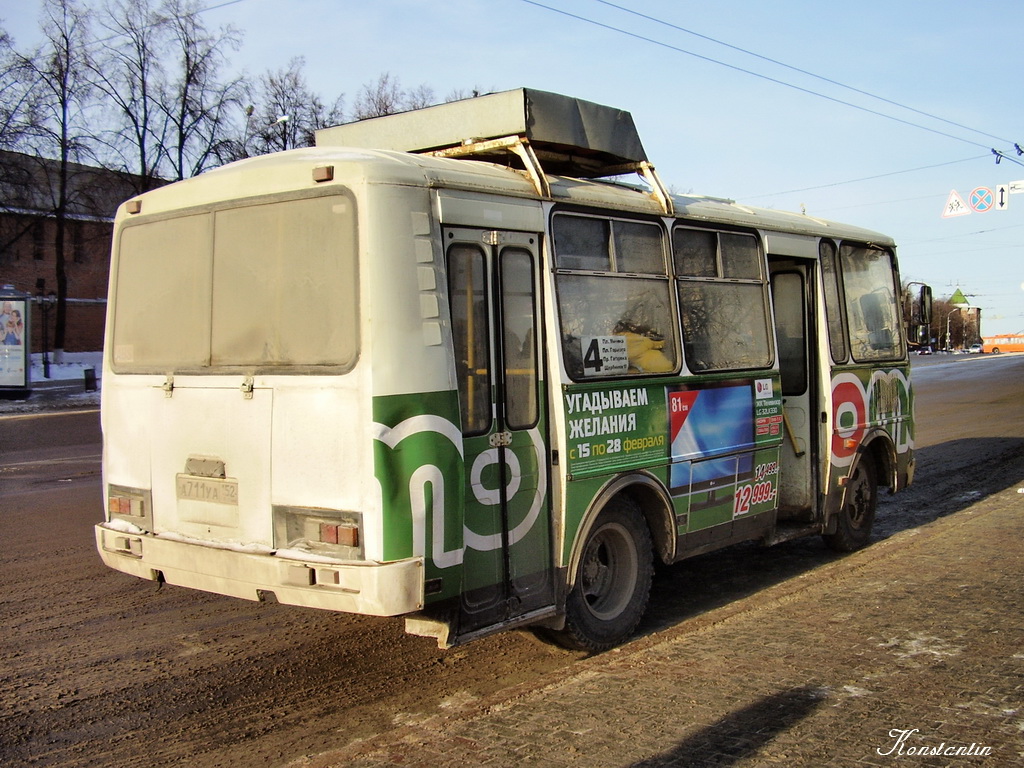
16,78
129,73
383,96
289,113
458,94
60,102
419,97
199,106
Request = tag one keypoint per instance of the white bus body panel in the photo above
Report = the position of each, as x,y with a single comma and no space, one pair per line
374,589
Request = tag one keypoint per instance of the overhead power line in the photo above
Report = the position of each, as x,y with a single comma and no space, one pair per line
752,73
868,178
799,70
1003,156
967,234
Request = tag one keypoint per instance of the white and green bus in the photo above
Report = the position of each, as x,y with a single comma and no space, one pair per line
447,365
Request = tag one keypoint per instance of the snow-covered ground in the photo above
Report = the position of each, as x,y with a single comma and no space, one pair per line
72,367
59,390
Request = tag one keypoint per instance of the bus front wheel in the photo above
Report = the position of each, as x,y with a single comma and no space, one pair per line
613,580
857,515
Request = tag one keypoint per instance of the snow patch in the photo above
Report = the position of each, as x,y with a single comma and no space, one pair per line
122,526
73,366
231,546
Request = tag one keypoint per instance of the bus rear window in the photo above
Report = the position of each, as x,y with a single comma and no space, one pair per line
257,287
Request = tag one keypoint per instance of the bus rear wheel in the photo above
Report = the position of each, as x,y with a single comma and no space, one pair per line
613,580
857,515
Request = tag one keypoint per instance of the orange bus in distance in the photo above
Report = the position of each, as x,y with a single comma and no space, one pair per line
1013,342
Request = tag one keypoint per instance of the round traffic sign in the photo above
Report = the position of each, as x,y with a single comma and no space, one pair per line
982,199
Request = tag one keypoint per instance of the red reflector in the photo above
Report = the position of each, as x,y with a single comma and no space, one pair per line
343,535
132,506
328,533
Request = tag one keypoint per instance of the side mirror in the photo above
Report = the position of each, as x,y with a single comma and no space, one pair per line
924,305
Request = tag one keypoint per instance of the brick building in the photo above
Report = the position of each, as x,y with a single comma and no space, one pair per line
28,227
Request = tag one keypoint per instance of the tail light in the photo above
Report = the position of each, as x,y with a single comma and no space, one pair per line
325,532
133,505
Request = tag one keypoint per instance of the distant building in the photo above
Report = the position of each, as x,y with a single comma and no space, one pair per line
28,203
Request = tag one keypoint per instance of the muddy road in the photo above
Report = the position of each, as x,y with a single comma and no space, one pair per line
98,668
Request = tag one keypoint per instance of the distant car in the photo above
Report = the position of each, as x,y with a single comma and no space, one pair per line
975,349
924,351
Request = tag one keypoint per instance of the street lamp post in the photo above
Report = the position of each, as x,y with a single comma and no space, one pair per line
45,305
245,134
949,317
282,120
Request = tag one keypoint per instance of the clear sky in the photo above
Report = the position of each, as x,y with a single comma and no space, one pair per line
718,117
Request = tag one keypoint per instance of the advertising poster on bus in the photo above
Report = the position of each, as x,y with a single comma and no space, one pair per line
715,435
616,428
635,426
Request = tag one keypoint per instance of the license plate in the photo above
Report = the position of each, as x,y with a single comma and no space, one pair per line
205,489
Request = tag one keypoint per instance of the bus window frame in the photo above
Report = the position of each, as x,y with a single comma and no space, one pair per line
787,372
208,367
835,305
510,406
564,274
681,279
900,346
483,425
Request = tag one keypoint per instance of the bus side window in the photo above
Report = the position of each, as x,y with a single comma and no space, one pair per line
613,297
519,338
789,301
832,285
470,334
722,299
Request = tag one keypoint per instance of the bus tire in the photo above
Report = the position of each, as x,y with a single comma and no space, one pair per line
853,530
995,350
613,580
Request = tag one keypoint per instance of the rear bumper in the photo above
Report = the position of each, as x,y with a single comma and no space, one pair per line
374,589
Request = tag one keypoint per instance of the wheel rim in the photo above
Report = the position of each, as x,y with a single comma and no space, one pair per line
608,571
859,501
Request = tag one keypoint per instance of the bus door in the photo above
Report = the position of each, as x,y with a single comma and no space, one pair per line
493,286
793,305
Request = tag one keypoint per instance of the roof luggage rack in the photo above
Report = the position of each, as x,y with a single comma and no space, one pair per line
534,131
